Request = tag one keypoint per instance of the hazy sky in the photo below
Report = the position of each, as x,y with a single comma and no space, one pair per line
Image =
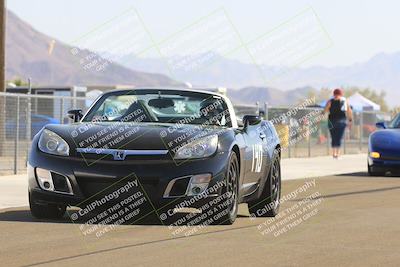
359,28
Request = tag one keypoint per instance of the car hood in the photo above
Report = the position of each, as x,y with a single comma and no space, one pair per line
386,139
129,136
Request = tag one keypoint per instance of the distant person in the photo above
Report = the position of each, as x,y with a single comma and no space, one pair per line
339,112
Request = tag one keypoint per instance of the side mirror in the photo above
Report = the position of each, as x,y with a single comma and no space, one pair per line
251,120
75,114
381,125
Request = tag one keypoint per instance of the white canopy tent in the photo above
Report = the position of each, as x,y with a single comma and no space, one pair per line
360,103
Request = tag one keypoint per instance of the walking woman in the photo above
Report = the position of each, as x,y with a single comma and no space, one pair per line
339,113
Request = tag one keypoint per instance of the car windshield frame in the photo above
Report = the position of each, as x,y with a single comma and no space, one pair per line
395,123
88,117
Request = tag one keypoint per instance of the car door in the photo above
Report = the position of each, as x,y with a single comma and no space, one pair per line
256,156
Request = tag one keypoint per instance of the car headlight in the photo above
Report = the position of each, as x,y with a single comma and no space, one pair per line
201,148
52,143
375,155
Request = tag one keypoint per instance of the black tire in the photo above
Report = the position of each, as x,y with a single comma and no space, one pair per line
374,173
268,204
46,211
228,214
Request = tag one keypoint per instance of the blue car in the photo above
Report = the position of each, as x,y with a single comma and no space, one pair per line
384,148
38,121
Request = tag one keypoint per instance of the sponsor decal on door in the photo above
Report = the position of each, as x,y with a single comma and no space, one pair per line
257,158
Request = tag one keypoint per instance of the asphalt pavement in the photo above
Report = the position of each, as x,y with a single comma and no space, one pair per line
341,220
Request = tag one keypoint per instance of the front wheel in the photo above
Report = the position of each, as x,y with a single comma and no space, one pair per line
46,211
226,209
268,204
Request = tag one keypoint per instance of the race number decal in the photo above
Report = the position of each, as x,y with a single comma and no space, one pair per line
257,158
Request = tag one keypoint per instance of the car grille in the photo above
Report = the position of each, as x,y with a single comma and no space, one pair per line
179,188
383,157
60,183
97,186
109,157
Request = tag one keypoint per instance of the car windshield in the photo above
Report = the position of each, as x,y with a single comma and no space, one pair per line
162,106
395,123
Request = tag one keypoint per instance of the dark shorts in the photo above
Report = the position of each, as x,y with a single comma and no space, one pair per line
336,129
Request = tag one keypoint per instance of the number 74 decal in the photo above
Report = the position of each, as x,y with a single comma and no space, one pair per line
257,158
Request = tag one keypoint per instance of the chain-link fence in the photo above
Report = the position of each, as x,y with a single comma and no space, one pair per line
303,132
21,118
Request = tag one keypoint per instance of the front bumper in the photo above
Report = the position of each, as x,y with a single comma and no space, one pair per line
91,179
384,165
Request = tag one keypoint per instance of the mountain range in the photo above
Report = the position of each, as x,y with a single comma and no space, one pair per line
381,72
274,97
47,61
30,53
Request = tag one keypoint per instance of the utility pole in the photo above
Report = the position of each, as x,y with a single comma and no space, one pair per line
3,13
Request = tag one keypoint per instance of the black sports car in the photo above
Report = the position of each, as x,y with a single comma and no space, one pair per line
384,148
164,151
